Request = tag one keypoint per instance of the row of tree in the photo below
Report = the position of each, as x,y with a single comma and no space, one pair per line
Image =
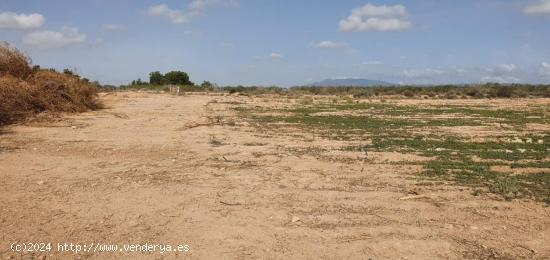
173,77
176,77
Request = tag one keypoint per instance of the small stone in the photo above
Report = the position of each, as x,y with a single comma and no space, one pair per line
73,127
540,141
522,150
474,228
509,151
40,182
295,219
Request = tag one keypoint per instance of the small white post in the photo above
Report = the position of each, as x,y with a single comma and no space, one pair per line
178,90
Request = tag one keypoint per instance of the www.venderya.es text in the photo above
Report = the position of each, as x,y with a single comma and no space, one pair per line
98,247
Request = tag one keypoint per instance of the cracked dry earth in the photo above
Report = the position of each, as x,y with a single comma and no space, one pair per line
160,169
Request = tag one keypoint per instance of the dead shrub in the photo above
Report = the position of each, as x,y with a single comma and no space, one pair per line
408,93
13,62
504,92
16,99
64,92
25,91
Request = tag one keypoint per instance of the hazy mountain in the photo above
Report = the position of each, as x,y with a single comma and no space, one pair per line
350,82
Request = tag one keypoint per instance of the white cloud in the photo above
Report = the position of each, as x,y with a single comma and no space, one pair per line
500,79
271,56
113,27
379,24
200,4
195,8
507,67
502,73
54,39
13,21
376,18
174,15
501,70
329,45
542,7
380,11
545,69
275,55
422,73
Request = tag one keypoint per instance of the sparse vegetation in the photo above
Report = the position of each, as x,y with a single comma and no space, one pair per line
489,90
406,129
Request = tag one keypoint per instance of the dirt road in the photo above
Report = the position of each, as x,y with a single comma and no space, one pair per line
159,169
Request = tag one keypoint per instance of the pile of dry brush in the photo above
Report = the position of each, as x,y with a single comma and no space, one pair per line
25,91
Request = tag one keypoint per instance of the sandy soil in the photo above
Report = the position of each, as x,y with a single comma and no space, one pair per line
160,169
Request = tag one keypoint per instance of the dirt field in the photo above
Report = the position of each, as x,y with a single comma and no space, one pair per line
216,174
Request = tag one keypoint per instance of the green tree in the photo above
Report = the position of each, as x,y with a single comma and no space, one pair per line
156,78
177,78
138,82
207,84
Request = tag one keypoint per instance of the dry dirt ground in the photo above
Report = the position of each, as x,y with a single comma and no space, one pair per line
160,169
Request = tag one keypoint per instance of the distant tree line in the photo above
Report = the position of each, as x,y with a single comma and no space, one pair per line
175,77
488,90
171,78
159,81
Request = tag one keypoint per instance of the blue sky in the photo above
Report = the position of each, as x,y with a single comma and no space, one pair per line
284,42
